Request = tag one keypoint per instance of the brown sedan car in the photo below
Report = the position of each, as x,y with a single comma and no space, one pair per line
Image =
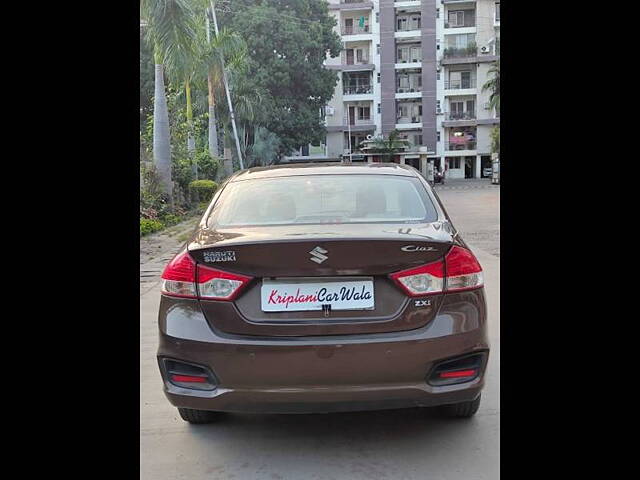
323,288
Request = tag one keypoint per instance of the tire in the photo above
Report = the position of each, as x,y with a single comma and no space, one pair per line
461,410
198,416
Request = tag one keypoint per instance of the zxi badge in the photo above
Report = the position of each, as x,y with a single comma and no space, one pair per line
318,255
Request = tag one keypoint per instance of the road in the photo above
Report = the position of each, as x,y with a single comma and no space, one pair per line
394,444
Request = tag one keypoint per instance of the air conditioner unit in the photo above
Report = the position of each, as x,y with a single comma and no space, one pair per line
330,111
485,50
438,111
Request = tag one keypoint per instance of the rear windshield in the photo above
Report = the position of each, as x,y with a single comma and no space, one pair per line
315,199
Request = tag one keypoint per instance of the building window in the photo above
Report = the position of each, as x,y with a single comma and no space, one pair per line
364,113
497,11
379,108
437,13
377,17
454,163
378,76
417,139
438,135
378,49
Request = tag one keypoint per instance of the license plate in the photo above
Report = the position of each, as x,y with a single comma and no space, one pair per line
311,294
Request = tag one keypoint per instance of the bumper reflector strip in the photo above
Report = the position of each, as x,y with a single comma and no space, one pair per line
188,379
458,374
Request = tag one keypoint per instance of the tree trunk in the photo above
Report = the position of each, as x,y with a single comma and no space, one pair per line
161,138
213,134
191,142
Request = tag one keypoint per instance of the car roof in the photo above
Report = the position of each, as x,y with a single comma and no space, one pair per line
295,169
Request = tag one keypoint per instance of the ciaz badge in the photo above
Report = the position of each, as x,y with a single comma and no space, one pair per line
224,256
416,248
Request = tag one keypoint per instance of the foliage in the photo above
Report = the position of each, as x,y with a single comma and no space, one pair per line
148,226
171,219
285,64
147,73
203,189
493,85
153,203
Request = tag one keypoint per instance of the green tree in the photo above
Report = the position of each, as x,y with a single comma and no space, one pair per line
287,42
493,85
392,145
170,30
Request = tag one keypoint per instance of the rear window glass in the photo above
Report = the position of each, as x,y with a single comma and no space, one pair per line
314,199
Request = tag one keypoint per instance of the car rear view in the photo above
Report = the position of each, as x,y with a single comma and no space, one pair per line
323,288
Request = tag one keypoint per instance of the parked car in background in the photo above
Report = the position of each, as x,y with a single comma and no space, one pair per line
323,288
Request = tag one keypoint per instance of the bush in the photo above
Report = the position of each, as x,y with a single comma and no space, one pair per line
170,220
203,189
148,226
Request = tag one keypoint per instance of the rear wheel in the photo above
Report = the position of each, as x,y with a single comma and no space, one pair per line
198,416
461,410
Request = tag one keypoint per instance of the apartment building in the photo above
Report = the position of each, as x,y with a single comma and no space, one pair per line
416,66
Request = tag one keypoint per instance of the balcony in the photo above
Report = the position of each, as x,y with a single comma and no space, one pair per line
349,59
460,52
355,29
460,19
460,116
351,5
362,89
460,146
460,84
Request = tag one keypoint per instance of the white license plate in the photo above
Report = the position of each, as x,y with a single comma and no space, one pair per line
311,294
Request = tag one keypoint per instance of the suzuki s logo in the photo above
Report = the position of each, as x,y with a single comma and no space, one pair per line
415,248
318,255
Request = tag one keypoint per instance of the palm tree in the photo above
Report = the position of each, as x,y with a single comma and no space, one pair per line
225,47
493,85
170,30
391,146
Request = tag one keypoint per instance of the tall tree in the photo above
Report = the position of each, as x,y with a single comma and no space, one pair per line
170,30
493,86
287,43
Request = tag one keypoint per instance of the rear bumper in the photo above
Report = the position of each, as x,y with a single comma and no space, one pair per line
319,374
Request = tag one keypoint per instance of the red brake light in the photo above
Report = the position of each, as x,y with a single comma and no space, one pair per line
463,270
179,277
459,271
183,278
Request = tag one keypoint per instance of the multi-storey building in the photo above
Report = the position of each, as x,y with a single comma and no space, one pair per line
416,66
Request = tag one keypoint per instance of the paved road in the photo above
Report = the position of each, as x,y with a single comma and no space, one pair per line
400,444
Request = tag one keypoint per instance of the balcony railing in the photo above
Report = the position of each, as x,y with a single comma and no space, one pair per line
357,89
468,145
408,89
354,29
353,60
460,116
416,119
459,84
454,52
358,121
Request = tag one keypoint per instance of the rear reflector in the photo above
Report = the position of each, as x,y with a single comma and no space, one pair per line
183,278
458,374
459,271
188,379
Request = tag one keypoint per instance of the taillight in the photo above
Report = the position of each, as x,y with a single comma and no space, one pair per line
459,271
424,280
218,285
183,278
463,270
178,278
